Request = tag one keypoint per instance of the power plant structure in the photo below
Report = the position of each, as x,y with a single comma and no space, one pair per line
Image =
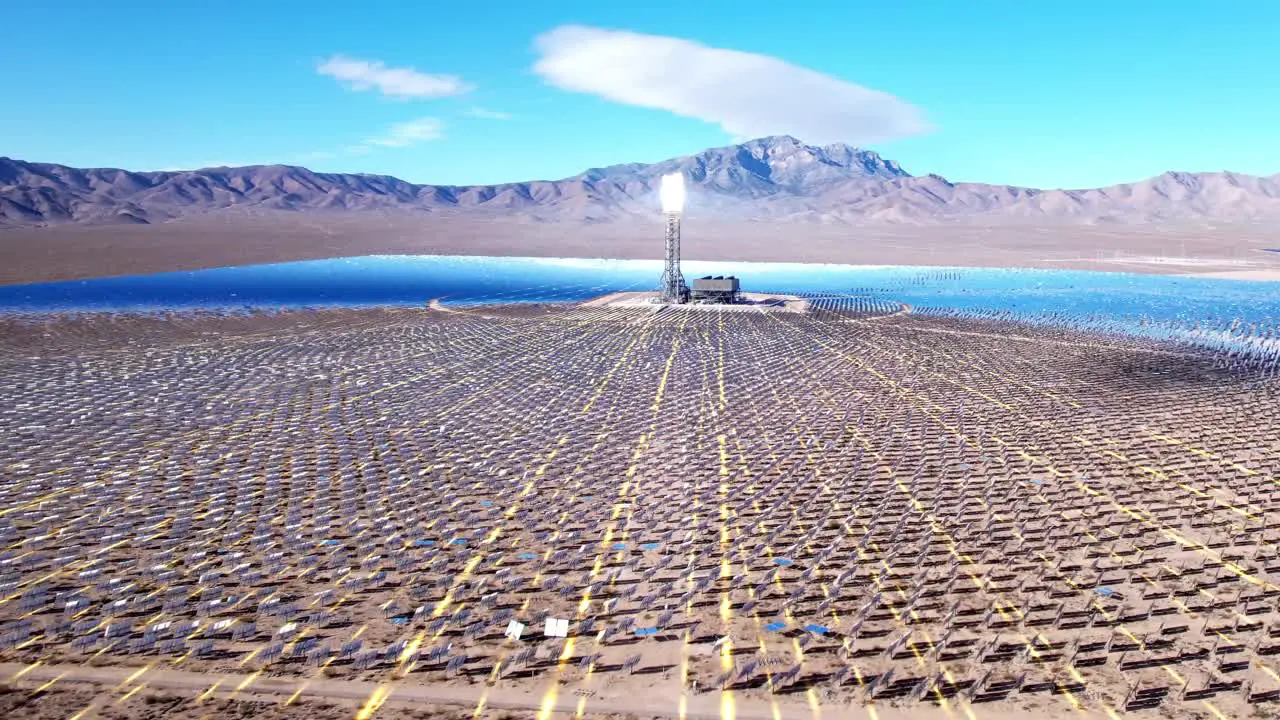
671,192
718,289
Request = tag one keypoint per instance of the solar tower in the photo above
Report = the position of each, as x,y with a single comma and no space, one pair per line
671,192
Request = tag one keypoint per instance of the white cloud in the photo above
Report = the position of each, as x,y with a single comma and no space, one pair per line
746,94
410,132
479,112
374,75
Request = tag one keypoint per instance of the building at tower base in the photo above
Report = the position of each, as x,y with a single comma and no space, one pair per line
717,289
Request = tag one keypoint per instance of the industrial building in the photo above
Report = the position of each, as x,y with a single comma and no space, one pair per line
718,289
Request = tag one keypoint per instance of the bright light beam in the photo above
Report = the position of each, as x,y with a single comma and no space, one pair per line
671,192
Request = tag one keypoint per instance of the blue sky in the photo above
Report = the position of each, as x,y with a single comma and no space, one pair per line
1076,94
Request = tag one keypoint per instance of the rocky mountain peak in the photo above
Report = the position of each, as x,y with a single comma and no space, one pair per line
775,177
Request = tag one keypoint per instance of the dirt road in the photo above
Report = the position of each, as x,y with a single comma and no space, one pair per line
567,701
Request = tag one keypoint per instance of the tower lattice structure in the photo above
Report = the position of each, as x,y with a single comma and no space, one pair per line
674,289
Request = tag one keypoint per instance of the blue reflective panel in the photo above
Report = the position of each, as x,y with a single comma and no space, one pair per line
775,626
781,561
1138,302
1162,307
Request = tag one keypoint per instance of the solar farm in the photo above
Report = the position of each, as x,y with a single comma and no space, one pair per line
560,510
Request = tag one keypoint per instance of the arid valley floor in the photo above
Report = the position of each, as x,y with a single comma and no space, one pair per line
75,252
753,514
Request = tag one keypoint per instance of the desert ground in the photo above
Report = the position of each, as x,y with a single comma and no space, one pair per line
747,302
76,252
1263,275
840,510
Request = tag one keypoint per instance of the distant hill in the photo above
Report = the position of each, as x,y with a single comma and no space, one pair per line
769,178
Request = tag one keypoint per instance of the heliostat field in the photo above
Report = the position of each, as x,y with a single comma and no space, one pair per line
656,511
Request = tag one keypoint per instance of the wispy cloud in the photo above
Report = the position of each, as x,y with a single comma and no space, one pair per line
482,113
404,83
404,134
746,94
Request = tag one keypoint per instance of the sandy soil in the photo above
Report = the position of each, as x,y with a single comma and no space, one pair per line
69,698
62,253
749,302
64,690
1265,275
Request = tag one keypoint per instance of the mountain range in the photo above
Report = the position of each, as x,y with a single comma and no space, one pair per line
773,178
